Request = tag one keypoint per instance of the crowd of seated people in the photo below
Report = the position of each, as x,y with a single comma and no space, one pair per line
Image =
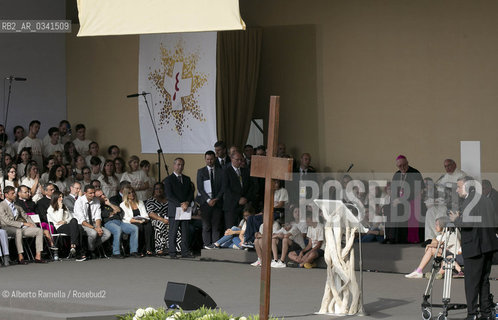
109,205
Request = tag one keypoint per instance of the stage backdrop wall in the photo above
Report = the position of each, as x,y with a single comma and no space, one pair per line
39,57
101,71
179,70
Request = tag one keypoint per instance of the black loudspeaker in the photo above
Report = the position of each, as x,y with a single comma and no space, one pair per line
187,296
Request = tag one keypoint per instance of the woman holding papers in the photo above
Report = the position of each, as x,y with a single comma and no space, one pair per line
135,213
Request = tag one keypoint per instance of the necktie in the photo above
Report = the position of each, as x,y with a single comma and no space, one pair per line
222,162
211,177
13,208
240,176
180,179
89,210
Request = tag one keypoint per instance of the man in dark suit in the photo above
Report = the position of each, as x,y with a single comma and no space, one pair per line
24,200
222,159
180,194
479,242
43,204
238,190
210,197
489,192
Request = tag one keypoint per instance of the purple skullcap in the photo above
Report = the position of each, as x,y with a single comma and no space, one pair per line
400,157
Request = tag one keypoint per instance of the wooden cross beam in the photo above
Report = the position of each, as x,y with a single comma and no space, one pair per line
269,167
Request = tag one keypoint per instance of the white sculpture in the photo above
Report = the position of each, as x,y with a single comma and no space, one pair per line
342,295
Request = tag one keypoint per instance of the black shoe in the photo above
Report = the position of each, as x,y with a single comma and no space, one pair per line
188,256
173,256
471,317
210,247
80,258
136,255
487,316
117,256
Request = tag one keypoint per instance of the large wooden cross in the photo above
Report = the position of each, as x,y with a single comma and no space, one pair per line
269,167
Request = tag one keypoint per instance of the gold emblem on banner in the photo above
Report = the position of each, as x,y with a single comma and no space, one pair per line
178,82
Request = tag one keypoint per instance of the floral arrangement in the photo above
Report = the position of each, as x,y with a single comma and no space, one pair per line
199,314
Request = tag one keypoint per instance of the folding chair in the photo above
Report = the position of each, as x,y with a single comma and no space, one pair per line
37,221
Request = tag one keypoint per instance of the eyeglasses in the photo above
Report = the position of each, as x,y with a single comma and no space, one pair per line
86,172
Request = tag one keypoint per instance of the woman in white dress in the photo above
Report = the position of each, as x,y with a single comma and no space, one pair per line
108,180
32,181
139,181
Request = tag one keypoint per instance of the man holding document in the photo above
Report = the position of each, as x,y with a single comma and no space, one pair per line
210,197
180,194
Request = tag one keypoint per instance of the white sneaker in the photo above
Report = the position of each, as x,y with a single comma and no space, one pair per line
280,264
257,263
274,264
414,275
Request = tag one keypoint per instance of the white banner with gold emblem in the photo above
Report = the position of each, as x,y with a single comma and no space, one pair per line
179,70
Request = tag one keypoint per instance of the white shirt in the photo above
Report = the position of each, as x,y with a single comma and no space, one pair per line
82,146
280,195
54,216
295,234
81,207
36,146
316,234
276,227
450,179
28,182
50,148
110,189
135,178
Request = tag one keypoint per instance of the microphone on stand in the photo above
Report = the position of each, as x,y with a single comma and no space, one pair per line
350,167
15,78
137,94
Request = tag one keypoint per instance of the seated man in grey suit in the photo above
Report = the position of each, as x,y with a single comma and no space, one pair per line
74,193
87,212
16,223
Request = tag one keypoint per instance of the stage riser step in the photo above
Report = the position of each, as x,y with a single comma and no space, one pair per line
376,257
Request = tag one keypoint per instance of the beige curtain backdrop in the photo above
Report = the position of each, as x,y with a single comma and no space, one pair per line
238,58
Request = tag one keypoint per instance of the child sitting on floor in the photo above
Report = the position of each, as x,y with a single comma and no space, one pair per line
258,242
234,237
314,249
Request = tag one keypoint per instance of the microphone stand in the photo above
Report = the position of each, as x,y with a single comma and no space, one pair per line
2,150
160,150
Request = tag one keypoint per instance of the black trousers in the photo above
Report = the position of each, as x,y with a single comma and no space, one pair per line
145,234
73,230
174,225
477,270
232,217
211,223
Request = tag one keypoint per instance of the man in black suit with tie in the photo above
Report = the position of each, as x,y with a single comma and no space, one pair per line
180,194
238,190
479,243
210,197
222,159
